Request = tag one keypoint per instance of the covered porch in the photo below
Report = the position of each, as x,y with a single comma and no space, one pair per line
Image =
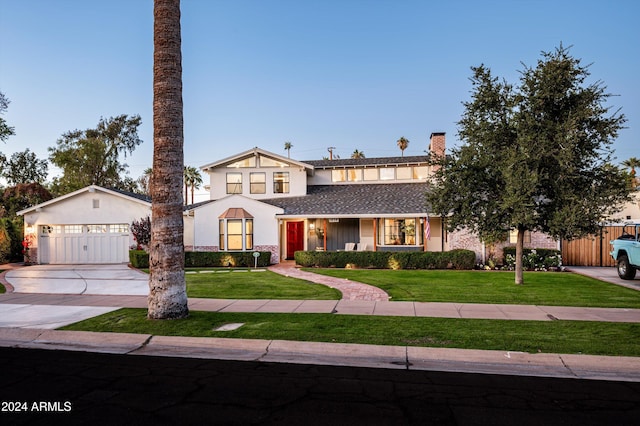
397,233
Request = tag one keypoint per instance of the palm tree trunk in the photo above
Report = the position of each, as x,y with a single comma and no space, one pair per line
167,289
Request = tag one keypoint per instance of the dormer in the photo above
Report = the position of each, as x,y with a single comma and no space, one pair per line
257,174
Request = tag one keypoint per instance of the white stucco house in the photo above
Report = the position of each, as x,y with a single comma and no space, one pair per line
262,201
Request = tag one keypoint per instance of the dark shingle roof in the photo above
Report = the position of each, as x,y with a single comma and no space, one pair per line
364,199
359,162
141,197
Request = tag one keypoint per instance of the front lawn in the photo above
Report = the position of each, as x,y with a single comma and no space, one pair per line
250,284
569,337
540,288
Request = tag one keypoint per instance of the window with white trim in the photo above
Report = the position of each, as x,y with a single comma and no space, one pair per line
234,183
236,234
280,182
258,183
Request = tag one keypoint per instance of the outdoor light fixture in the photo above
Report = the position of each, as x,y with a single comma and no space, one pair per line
312,226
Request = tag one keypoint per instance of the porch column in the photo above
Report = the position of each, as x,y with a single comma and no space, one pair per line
324,233
375,234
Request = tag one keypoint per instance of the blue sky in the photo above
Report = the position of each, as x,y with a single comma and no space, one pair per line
352,74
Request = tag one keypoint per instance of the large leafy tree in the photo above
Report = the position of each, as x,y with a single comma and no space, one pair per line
536,157
167,288
22,196
5,129
93,156
25,167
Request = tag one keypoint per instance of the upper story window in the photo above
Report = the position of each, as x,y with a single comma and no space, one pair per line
370,174
234,183
258,183
403,173
244,163
339,175
387,173
420,172
280,182
270,162
354,175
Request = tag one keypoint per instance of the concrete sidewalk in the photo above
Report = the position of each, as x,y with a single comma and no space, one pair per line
342,307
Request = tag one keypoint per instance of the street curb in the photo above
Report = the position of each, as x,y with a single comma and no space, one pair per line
411,358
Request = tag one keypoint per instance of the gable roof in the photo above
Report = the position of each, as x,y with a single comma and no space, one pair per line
255,152
142,199
363,200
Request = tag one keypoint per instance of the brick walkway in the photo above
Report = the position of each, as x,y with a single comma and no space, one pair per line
351,290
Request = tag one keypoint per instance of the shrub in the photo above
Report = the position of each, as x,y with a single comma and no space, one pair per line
200,259
5,244
139,259
11,234
456,259
224,259
534,259
141,230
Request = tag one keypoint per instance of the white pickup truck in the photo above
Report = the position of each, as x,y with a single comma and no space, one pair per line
626,252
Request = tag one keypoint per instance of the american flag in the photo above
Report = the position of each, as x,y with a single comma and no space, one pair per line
427,229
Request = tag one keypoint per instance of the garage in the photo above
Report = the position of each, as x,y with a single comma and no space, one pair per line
88,226
69,244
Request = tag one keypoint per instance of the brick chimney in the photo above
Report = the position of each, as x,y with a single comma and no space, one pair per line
437,146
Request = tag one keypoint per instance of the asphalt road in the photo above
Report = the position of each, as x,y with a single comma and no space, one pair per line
68,388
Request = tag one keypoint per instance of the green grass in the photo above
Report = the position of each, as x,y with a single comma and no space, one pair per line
2,289
570,337
226,284
540,288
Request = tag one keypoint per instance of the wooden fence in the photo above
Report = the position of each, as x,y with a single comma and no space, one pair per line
591,251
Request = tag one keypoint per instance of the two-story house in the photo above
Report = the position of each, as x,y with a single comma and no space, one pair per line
263,201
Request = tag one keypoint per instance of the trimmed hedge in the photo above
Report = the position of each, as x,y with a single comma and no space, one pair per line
454,259
224,258
202,259
139,259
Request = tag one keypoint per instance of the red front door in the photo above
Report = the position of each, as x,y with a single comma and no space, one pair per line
295,238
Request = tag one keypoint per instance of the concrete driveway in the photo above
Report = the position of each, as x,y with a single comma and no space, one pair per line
117,279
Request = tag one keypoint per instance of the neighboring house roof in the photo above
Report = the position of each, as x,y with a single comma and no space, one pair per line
196,205
362,200
364,162
254,152
91,188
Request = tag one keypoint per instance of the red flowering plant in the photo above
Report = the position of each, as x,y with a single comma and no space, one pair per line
26,245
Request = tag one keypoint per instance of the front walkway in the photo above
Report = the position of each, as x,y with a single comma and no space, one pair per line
351,290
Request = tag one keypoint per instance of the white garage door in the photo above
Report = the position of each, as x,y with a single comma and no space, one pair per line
68,244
